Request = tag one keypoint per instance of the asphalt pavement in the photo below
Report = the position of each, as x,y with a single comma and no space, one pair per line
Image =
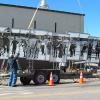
66,90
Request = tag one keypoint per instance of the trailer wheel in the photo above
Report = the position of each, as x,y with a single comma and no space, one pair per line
56,78
25,80
39,78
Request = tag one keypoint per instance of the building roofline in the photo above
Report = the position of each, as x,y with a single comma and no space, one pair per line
49,10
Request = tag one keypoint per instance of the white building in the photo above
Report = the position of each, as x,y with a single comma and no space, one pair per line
50,20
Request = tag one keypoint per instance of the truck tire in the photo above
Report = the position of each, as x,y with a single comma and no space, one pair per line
25,80
56,78
39,78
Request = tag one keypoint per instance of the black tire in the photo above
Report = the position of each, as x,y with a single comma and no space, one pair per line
25,80
56,78
39,78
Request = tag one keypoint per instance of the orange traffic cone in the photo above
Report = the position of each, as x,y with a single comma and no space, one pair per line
51,81
81,81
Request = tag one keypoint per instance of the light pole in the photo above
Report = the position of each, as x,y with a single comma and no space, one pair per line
43,4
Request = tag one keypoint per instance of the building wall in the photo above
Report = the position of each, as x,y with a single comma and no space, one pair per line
45,20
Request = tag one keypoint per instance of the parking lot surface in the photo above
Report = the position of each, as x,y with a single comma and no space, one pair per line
66,90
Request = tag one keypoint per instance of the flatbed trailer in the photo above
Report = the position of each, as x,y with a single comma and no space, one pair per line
36,69
39,71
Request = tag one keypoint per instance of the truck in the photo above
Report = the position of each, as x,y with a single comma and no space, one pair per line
37,64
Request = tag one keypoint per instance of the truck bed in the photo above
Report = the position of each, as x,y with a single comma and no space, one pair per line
24,64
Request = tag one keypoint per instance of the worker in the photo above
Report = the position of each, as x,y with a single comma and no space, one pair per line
60,50
62,66
42,48
14,45
49,47
84,47
90,48
12,67
24,45
55,47
6,43
97,50
72,49
37,48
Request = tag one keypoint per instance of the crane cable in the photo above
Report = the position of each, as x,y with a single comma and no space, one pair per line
81,8
29,26
78,2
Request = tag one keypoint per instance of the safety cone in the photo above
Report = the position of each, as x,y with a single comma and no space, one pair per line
81,81
51,81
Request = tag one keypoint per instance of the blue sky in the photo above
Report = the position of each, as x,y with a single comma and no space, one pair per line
89,7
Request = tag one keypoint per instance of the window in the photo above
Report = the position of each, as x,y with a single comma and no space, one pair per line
12,23
35,24
55,27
